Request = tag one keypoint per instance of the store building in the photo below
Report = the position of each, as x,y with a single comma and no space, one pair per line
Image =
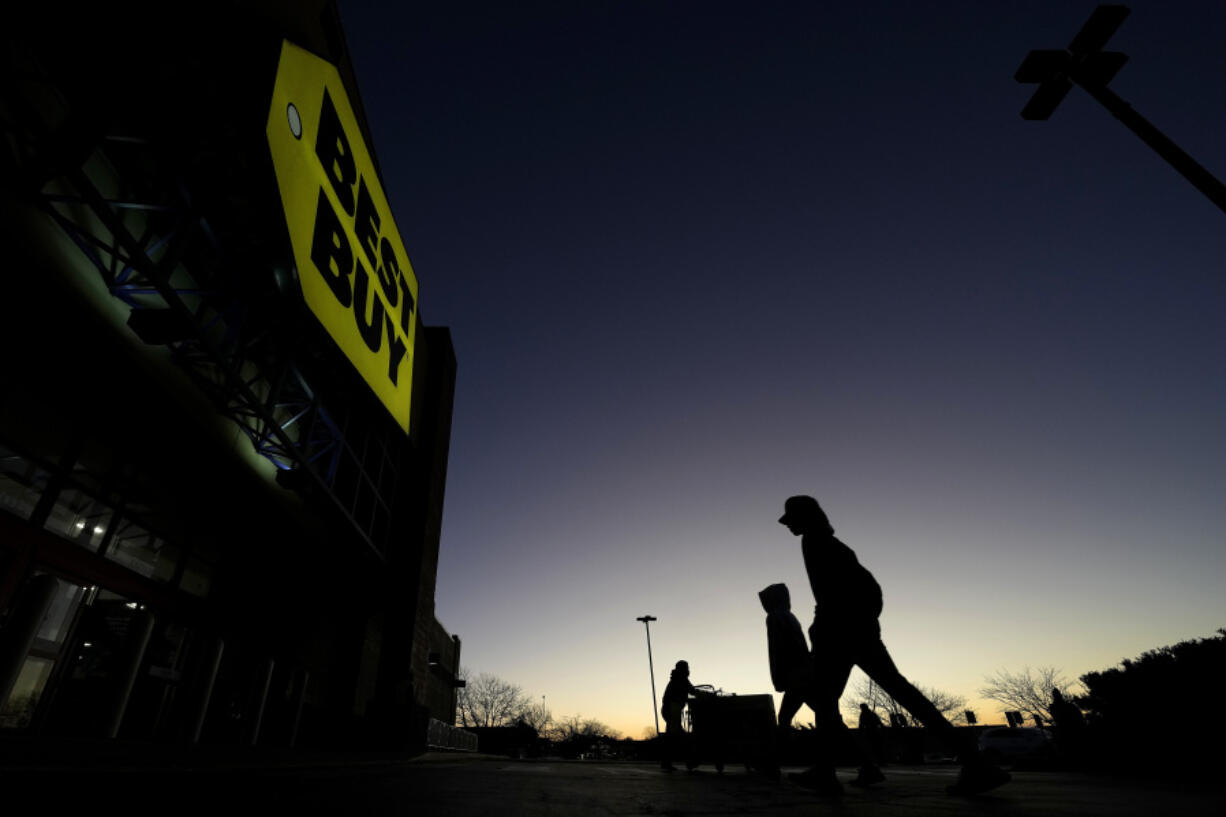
224,427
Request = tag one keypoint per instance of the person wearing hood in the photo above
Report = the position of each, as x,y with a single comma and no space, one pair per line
790,662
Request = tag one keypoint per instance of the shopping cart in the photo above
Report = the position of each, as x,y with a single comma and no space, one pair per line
731,728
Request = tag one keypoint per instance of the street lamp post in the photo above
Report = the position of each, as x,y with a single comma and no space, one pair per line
651,667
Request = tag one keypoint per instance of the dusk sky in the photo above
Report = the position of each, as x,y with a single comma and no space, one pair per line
699,256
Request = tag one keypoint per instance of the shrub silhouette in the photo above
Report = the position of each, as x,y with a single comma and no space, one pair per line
1152,712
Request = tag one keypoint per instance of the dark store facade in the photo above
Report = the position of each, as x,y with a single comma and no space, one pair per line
224,428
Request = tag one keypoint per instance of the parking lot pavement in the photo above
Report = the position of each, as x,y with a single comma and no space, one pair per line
558,788
479,786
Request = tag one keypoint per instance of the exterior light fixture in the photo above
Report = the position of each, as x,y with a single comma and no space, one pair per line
651,668
295,120
1085,63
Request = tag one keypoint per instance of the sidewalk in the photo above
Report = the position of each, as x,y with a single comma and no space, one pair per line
66,756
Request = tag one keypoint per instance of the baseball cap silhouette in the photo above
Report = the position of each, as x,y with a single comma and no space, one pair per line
799,508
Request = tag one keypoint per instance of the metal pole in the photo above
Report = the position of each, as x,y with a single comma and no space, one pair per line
655,710
261,701
301,678
1189,168
207,677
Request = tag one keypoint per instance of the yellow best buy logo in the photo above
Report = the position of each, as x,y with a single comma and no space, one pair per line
354,272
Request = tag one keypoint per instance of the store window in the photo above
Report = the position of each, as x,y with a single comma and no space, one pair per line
60,615
144,552
197,577
21,483
157,706
79,517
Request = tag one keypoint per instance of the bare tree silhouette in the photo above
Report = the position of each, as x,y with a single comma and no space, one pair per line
1028,691
878,700
576,726
487,700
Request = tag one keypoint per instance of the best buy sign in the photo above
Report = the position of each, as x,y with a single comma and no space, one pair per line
354,272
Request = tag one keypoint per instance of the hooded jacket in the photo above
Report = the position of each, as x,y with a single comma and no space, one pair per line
785,640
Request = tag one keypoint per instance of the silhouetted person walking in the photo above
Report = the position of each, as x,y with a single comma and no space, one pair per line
676,696
790,660
1064,713
1070,726
845,633
872,732
869,719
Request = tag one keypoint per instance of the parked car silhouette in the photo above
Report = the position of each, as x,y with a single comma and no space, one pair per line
1015,743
